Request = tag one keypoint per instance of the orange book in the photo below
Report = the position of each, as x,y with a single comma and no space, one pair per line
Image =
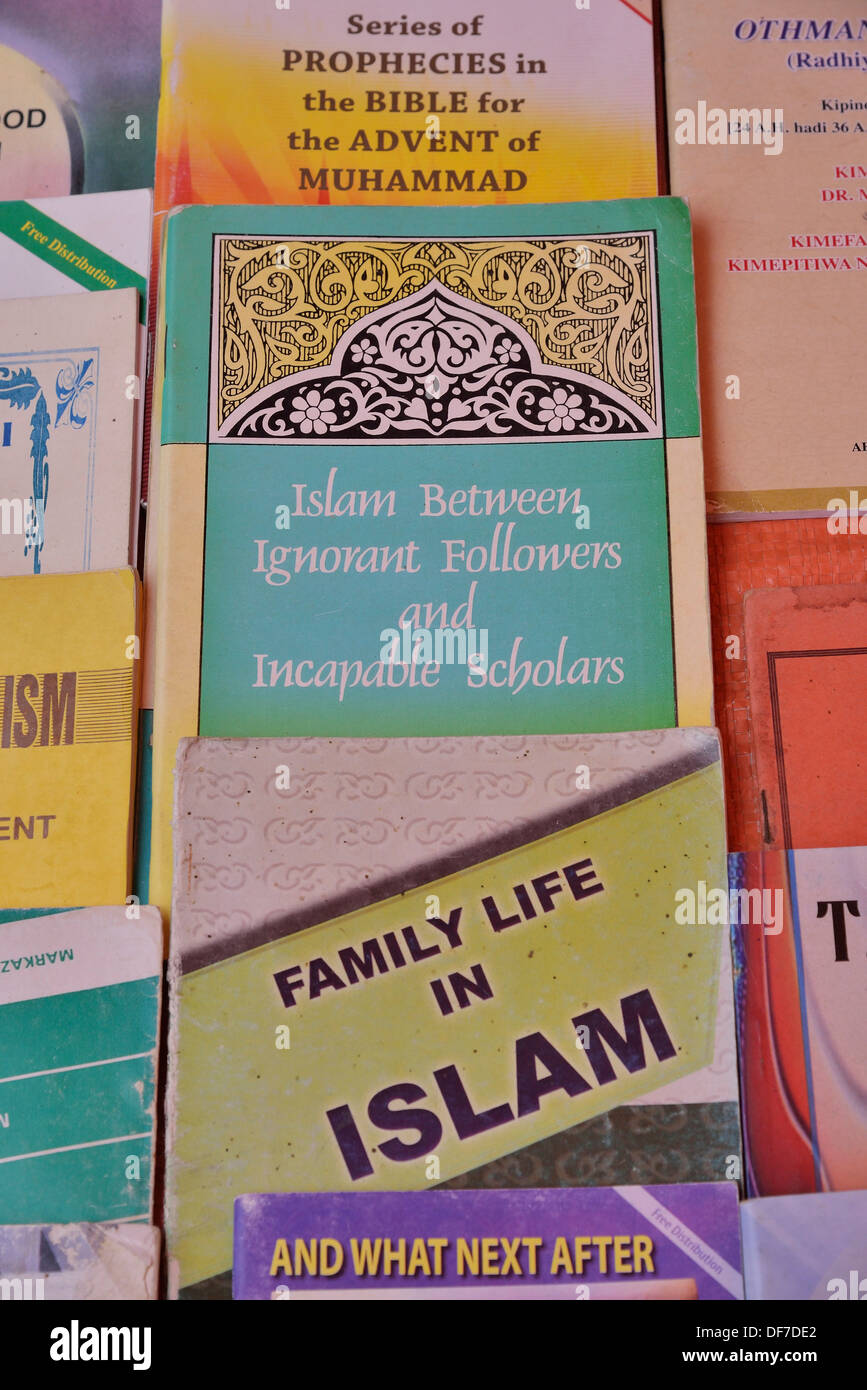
536,103
742,556
807,671
798,931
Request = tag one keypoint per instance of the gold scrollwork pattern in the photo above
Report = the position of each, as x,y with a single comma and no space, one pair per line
283,304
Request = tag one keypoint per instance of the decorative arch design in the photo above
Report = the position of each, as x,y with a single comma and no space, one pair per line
436,366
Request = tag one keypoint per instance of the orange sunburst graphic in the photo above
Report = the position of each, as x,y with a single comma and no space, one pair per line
248,183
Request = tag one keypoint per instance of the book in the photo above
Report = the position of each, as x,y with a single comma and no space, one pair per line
91,241
679,1241
766,126
545,104
84,1262
806,652
68,370
799,939
409,554
746,555
542,118
80,89
810,1246
79,1023
484,926
68,698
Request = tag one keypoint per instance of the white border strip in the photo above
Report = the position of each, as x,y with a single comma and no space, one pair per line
77,1066
666,1223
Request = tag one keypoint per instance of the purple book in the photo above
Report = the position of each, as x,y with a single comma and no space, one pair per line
678,1241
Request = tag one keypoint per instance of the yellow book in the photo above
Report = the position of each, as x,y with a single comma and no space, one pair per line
413,962
69,667
280,102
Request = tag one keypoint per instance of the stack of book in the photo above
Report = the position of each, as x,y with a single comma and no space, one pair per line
80,994
479,744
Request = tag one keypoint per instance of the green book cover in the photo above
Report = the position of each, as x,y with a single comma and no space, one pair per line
400,964
79,1030
427,471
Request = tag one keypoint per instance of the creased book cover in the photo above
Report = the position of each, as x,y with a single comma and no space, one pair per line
767,118
676,1242
428,472
806,655
68,446
809,1246
800,939
84,1262
68,699
323,104
80,89
404,963
79,1031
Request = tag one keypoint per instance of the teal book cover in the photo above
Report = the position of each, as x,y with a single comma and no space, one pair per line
426,472
80,998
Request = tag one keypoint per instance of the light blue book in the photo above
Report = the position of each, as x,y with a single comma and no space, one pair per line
811,1246
84,1262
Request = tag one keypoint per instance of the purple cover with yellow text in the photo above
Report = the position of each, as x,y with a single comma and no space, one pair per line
678,1241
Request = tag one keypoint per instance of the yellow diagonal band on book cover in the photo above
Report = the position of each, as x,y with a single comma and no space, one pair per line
298,1064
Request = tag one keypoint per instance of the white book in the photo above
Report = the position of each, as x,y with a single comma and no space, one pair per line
68,446
83,1262
79,243
117,225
